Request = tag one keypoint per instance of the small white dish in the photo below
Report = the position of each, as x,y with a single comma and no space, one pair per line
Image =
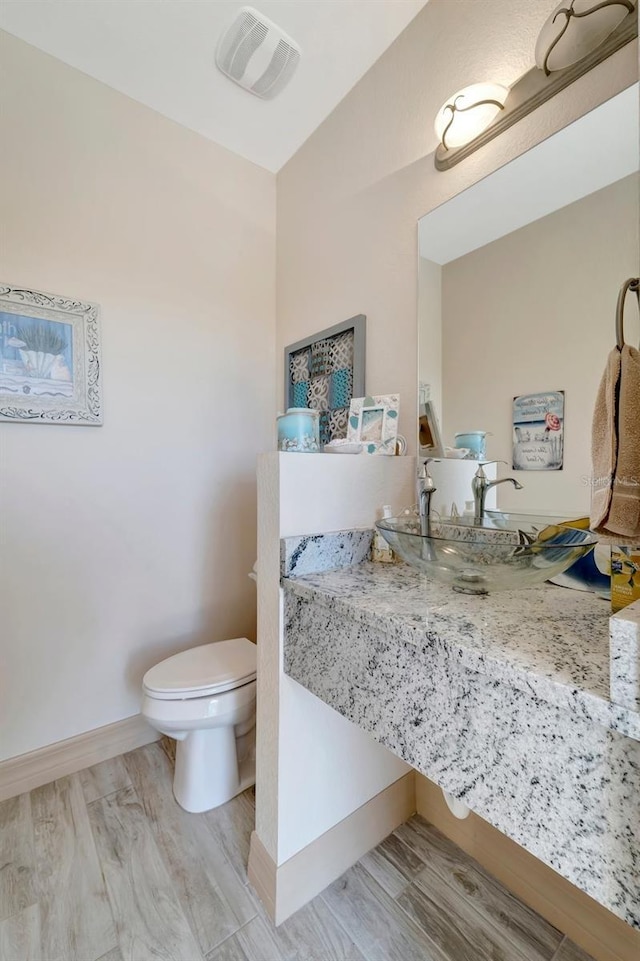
456,453
344,447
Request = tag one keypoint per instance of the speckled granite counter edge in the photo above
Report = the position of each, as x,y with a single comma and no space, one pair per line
586,704
313,553
624,648
564,788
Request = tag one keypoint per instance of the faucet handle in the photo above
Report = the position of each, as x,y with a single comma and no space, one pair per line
424,475
480,471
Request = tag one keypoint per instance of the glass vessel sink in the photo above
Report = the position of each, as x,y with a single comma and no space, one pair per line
507,552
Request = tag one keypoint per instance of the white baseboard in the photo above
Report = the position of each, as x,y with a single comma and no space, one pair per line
28,771
262,872
285,888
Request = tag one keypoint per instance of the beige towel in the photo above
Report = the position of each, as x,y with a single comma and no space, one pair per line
615,449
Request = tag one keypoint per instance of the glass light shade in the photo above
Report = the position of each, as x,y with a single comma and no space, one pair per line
569,34
468,112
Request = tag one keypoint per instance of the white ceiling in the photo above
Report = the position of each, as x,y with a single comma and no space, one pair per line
161,53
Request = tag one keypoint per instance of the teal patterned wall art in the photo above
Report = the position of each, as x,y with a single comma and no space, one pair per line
301,394
324,371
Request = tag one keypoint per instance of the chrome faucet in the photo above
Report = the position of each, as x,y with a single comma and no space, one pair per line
480,485
426,490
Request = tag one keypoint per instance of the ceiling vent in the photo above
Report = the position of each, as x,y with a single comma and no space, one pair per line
257,54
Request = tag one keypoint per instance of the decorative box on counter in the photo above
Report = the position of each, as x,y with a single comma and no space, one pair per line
625,577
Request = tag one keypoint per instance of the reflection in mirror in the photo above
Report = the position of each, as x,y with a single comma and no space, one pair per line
518,282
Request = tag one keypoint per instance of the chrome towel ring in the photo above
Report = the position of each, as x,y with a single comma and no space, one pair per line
633,285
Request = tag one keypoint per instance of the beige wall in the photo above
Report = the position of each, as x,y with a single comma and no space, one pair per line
349,200
534,311
125,543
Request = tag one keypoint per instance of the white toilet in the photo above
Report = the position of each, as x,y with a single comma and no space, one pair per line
205,698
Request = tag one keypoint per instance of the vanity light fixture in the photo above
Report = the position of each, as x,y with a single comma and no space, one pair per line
578,35
574,29
468,113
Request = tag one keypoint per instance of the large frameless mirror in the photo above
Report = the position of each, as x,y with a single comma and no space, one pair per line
518,282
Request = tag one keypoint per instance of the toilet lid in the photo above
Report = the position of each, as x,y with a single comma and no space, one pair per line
209,669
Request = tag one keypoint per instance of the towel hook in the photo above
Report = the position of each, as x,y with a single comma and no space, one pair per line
632,284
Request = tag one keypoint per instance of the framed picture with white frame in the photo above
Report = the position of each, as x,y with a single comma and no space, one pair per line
50,363
373,422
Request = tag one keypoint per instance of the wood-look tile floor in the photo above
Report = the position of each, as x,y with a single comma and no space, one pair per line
105,866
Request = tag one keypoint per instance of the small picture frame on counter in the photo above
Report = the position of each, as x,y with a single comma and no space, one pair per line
373,422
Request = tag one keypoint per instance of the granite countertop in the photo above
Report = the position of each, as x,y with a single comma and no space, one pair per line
548,641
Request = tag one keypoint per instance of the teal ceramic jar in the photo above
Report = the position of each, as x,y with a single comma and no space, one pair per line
299,430
476,443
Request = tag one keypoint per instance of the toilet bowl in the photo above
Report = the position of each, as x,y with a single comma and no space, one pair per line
205,698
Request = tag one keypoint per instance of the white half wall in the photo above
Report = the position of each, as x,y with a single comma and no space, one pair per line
122,544
314,768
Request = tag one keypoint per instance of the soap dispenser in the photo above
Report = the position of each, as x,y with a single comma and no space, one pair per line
380,550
